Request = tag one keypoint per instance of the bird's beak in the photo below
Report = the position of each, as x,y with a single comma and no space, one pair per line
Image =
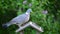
32,12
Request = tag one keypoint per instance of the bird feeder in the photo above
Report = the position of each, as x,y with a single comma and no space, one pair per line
34,25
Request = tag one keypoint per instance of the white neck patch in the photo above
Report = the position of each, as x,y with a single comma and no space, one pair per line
27,13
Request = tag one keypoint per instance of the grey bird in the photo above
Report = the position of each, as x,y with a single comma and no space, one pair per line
19,20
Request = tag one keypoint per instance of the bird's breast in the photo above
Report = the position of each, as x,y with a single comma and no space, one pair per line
27,18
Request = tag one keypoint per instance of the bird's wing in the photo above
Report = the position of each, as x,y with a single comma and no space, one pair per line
20,19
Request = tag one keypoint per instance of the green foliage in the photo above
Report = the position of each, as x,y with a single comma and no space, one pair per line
50,21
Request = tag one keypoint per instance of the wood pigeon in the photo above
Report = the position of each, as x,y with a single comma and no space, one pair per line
19,20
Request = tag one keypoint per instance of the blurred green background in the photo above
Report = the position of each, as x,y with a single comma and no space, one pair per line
49,21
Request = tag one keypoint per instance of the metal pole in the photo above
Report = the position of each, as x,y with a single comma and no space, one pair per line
22,32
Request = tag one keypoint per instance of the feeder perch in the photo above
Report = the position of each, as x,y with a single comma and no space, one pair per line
30,24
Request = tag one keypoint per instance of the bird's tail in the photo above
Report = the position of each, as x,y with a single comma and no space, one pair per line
6,25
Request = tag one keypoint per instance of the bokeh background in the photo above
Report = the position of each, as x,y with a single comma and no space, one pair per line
46,13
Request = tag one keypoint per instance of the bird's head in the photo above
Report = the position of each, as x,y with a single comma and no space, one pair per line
29,10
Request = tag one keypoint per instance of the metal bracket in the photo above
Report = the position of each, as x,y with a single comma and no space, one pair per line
32,25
